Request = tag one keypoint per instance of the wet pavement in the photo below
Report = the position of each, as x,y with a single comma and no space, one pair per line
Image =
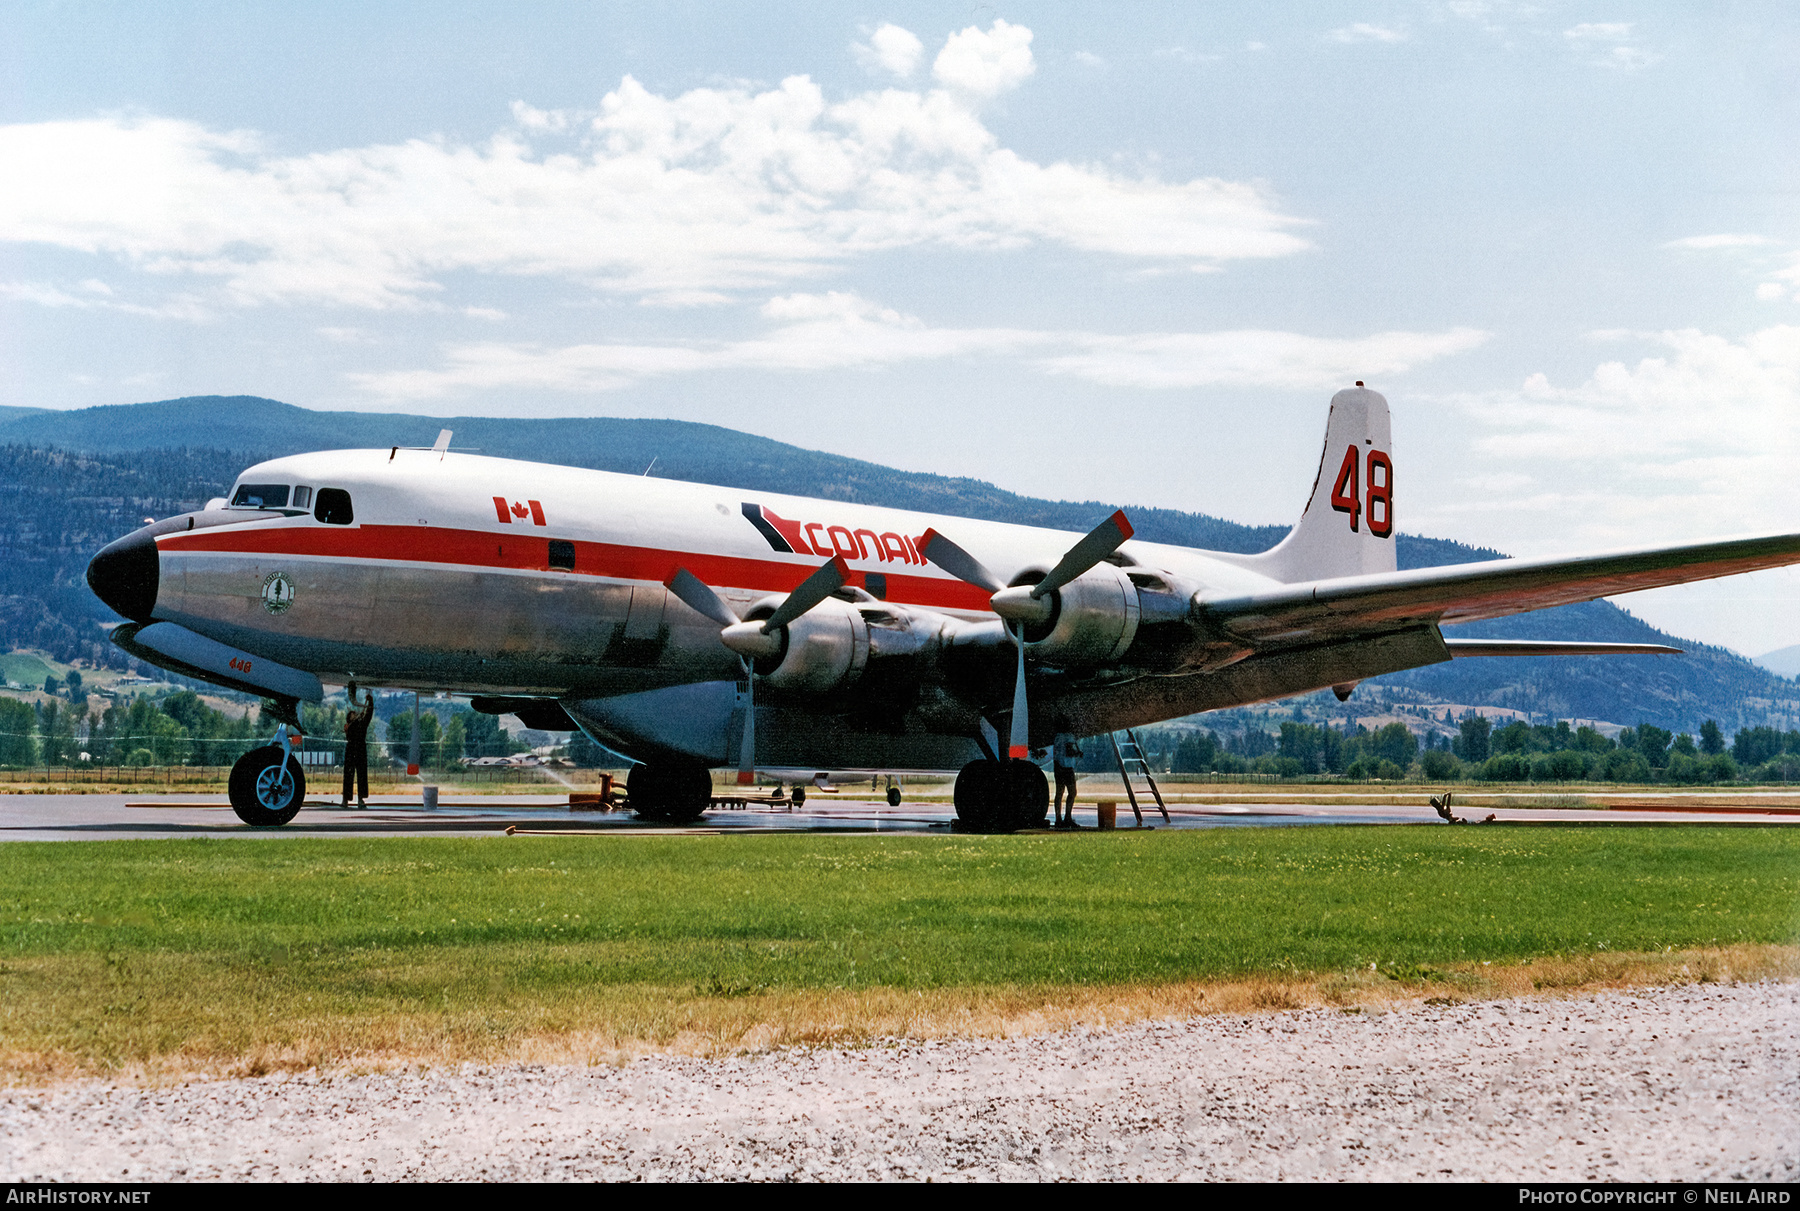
119,817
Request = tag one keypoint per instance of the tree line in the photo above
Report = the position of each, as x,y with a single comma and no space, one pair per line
181,729
1479,751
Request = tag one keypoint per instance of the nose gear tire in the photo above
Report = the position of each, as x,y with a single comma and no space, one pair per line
267,787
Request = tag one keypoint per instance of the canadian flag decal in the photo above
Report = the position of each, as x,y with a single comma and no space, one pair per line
506,512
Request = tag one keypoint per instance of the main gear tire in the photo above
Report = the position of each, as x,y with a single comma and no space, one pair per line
1001,797
669,794
267,787
1027,794
977,796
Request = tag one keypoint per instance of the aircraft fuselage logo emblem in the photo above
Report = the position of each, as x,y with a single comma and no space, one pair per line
821,538
277,592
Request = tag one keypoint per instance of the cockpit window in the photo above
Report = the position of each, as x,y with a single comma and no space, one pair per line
302,497
260,496
334,507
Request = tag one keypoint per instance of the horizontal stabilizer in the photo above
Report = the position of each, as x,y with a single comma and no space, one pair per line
1553,647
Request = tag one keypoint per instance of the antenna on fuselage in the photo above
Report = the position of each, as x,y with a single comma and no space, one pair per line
653,459
440,447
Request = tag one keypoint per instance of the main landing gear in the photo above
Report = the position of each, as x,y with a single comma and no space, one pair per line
267,787
1001,796
667,793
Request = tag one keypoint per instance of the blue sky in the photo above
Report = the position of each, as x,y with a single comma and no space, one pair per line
1123,252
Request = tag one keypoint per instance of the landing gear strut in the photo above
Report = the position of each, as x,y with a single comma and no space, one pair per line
267,787
1001,797
668,793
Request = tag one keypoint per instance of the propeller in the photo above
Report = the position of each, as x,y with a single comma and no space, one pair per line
753,641
1022,605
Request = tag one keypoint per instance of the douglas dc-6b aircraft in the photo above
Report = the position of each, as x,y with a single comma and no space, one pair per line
692,627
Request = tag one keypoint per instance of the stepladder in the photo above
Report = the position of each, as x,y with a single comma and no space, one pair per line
1134,771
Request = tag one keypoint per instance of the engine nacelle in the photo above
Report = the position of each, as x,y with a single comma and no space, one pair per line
1093,619
824,649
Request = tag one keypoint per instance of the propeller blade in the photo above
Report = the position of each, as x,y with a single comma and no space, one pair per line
747,750
814,589
958,562
1100,542
698,596
1020,748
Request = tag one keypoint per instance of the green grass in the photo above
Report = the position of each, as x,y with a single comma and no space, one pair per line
27,669
121,952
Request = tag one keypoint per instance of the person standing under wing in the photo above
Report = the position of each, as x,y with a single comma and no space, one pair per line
1063,752
356,745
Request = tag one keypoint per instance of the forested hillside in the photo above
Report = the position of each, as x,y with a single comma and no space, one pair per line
71,481
56,509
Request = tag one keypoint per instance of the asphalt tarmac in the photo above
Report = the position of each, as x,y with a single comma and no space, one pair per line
140,817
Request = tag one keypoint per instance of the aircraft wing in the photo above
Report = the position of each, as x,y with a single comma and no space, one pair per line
1326,609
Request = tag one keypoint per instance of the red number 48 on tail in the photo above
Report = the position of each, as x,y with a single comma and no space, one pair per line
1347,495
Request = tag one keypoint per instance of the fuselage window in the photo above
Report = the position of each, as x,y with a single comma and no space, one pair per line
260,496
303,498
562,555
334,507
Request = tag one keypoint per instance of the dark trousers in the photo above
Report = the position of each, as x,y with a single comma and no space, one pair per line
1065,784
356,766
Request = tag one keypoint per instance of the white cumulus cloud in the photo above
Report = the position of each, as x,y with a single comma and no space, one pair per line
890,49
676,200
987,63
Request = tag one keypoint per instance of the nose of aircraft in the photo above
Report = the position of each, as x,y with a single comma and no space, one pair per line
125,574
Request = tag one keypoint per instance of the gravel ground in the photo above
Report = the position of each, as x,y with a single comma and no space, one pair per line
1693,1083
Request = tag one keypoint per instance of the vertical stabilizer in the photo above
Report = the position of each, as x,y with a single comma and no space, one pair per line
1347,528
